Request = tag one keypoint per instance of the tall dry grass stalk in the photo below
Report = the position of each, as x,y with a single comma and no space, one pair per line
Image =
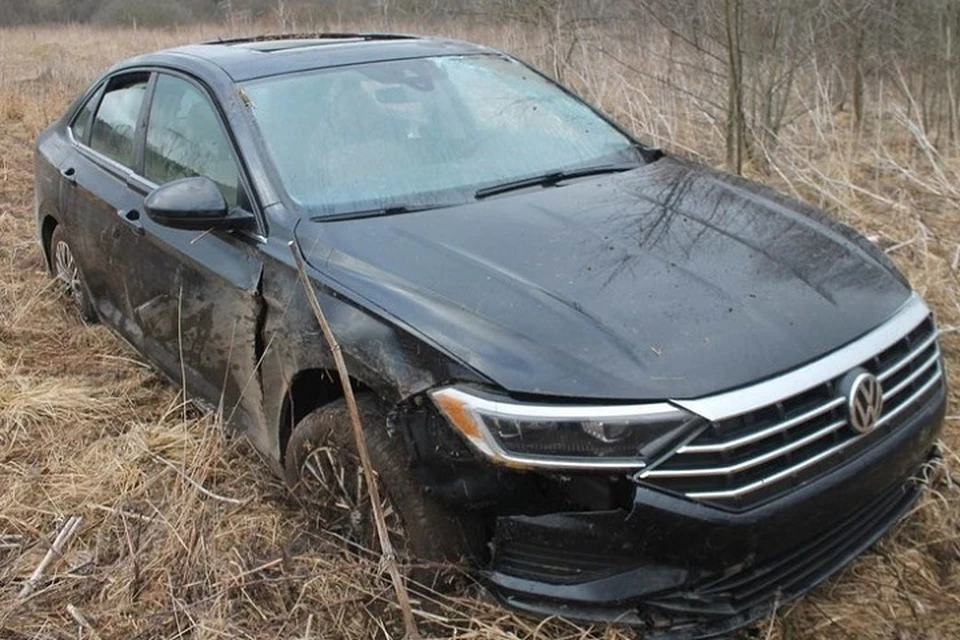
186,534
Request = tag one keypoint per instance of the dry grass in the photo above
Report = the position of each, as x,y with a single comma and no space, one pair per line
186,534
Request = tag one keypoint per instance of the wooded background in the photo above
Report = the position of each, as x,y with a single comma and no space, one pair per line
753,61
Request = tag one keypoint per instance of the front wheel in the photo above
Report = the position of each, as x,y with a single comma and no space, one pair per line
68,275
322,463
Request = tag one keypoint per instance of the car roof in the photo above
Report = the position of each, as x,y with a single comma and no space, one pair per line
257,57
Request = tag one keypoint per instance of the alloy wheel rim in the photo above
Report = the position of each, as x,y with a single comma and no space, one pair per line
68,274
342,488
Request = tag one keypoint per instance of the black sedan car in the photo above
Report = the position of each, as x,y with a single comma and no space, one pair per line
625,386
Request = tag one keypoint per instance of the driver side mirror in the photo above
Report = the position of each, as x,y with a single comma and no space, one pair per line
195,204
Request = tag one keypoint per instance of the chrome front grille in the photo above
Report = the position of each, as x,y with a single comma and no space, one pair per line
741,460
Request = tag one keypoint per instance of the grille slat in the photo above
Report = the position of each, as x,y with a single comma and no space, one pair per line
745,459
903,384
762,434
911,399
705,495
752,462
910,357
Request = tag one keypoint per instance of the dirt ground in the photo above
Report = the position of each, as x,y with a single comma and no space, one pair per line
186,533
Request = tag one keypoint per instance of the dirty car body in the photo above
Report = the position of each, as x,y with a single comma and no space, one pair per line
676,398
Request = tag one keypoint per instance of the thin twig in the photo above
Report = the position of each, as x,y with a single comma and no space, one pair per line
386,547
199,487
77,615
239,577
903,244
773,617
12,541
67,531
123,513
183,366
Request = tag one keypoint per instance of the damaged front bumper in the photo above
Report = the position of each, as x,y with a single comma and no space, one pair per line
681,569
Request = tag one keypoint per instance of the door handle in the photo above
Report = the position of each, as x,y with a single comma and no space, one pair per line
69,174
132,217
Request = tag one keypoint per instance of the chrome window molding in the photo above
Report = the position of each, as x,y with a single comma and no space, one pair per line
100,158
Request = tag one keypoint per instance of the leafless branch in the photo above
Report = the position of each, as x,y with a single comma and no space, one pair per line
386,547
66,533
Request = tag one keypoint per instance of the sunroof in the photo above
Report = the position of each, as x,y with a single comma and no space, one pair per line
270,43
281,45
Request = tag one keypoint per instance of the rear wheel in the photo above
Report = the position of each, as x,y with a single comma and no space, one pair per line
68,275
322,463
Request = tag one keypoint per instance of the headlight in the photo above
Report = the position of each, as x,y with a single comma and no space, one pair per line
614,437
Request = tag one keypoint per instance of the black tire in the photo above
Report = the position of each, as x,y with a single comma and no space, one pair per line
431,533
68,274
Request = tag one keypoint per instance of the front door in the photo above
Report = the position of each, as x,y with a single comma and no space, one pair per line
195,295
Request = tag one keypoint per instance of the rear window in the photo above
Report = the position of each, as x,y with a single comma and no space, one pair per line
84,118
114,128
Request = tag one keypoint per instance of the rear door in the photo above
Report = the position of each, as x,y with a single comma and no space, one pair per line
195,295
100,209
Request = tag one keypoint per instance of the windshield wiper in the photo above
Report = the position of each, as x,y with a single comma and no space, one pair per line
553,177
379,211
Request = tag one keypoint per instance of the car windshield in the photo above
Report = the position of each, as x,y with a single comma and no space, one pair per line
403,135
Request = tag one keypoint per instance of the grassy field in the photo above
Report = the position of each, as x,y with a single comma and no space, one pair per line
186,533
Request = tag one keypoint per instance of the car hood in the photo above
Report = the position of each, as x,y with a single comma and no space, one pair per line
668,281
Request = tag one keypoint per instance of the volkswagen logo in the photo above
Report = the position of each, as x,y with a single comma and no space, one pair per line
864,400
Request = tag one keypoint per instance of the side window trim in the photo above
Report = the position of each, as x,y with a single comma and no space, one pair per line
140,136
211,100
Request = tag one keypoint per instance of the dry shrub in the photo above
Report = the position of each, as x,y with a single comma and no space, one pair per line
187,534
13,107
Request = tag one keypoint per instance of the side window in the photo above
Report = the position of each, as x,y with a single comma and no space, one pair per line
114,128
84,118
185,139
